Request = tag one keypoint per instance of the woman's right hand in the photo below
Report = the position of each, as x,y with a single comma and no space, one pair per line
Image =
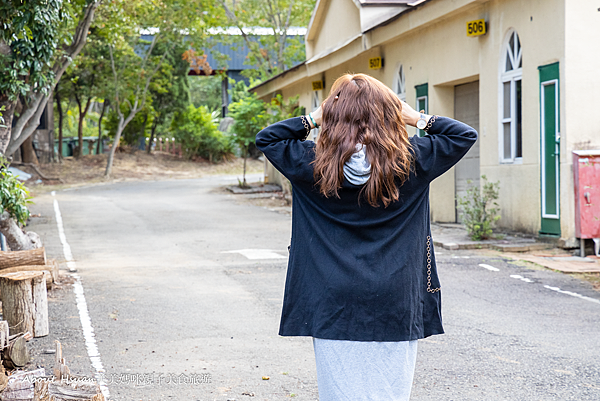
410,115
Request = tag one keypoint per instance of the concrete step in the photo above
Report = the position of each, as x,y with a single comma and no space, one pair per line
520,247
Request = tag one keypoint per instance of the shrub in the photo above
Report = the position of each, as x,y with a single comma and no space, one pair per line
480,209
14,196
196,130
249,116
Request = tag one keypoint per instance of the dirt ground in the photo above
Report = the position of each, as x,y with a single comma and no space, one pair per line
130,167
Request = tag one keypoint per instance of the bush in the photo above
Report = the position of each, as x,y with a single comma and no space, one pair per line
14,196
196,130
480,209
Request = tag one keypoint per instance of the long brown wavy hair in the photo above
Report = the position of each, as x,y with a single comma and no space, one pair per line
361,109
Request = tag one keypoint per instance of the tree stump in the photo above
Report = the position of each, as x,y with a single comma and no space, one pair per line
22,258
51,268
25,302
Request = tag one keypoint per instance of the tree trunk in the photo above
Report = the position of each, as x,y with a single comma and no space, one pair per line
25,302
152,131
60,124
5,127
99,148
143,130
22,258
244,184
113,148
17,239
29,155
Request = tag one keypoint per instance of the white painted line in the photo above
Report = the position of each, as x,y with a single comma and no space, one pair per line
258,254
84,315
460,257
525,279
490,268
573,294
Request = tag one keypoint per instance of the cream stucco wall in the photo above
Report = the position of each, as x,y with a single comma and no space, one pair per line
432,45
342,21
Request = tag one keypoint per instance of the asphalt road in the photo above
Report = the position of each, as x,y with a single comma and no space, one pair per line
169,303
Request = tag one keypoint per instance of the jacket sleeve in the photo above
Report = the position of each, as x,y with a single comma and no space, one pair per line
284,146
447,142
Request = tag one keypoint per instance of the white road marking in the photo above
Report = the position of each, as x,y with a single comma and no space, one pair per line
460,257
573,294
258,254
84,315
490,268
525,279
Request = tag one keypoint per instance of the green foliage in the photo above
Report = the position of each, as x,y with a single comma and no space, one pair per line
280,110
31,30
206,91
196,129
249,116
480,209
14,196
270,54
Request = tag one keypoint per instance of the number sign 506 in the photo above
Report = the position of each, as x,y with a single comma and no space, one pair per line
476,28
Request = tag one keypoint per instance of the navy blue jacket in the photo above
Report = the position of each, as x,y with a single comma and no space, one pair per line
358,272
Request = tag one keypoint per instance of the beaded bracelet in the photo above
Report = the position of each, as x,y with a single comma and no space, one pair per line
313,120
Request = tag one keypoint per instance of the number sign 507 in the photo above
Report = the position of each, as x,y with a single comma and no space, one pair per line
476,28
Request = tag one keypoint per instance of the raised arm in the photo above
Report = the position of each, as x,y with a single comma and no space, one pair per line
284,145
447,142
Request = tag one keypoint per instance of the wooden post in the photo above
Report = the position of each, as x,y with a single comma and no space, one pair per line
25,302
20,258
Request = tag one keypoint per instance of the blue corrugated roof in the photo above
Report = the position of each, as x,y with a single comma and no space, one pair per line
236,54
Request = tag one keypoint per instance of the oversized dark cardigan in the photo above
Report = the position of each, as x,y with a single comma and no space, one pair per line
358,272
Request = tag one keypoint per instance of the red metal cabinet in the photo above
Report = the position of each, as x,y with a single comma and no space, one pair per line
586,168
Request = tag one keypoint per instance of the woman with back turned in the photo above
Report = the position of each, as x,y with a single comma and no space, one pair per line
361,277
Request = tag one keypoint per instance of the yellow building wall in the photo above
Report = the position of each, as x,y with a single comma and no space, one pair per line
441,54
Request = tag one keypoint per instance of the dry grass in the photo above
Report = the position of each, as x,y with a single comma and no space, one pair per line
131,167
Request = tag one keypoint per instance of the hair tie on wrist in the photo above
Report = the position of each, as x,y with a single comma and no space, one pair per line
313,120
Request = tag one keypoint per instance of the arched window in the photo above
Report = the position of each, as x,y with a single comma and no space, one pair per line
400,83
511,148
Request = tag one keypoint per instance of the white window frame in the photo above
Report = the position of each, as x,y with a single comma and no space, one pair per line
516,74
400,83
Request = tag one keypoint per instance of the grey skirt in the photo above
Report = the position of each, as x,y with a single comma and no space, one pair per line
365,370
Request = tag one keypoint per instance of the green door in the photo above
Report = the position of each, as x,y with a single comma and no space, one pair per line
550,149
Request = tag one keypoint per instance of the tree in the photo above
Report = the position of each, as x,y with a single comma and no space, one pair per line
249,116
134,60
85,79
170,90
38,40
271,54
